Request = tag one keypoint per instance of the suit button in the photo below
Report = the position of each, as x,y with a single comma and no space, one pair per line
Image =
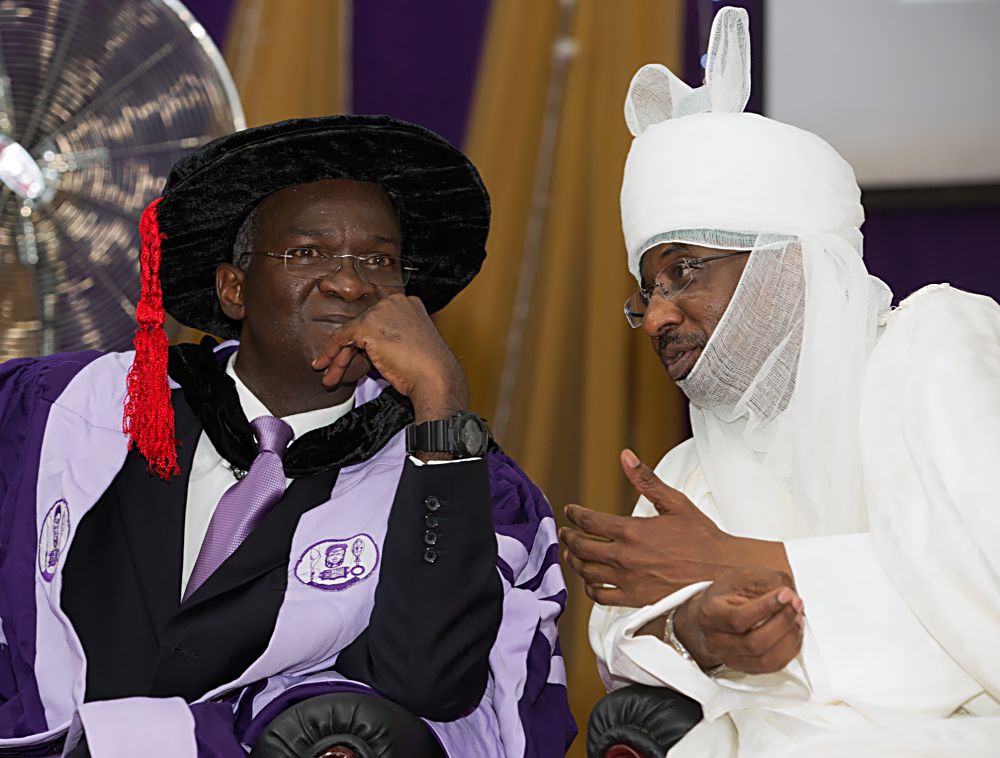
430,555
432,502
430,538
430,521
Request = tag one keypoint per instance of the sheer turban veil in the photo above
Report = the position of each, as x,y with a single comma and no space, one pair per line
775,394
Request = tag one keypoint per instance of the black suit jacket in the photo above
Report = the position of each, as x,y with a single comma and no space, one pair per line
429,635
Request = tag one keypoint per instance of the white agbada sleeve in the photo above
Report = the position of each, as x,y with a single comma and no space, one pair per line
930,437
872,650
624,657
863,645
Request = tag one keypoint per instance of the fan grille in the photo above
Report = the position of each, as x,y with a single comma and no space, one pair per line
105,96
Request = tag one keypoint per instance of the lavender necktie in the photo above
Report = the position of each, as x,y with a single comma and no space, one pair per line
245,503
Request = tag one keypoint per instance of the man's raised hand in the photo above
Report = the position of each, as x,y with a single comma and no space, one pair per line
634,562
644,559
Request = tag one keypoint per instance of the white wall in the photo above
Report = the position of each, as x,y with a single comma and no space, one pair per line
907,90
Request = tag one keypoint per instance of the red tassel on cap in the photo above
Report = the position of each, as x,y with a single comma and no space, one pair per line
149,415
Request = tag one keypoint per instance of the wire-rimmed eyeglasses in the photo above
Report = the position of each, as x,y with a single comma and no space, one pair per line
670,282
380,269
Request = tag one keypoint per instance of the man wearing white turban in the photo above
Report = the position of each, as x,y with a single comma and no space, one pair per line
819,566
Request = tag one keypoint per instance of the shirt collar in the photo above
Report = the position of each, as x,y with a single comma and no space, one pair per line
300,422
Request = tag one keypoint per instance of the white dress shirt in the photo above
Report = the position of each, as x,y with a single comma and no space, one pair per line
210,473
211,476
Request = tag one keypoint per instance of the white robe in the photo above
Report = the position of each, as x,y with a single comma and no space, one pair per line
901,654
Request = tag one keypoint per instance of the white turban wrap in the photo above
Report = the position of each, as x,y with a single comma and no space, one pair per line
775,394
735,172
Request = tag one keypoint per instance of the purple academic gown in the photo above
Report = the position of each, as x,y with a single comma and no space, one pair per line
61,445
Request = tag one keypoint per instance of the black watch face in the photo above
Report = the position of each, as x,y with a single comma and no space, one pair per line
472,436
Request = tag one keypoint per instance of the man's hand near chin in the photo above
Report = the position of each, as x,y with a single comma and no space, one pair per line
751,620
403,344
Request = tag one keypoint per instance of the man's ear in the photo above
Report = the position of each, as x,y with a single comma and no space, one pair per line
229,290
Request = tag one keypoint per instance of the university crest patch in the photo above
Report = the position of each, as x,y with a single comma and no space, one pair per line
53,538
336,564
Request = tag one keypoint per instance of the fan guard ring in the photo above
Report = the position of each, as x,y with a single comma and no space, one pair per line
98,99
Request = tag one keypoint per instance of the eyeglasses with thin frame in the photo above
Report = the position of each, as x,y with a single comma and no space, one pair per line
304,262
674,279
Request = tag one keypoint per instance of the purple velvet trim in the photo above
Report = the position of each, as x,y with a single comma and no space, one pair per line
518,508
559,597
518,505
50,749
551,557
549,728
293,695
224,349
213,731
505,570
244,711
8,685
539,662
27,389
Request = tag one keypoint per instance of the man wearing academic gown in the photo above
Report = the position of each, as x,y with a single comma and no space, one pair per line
819,565
193,540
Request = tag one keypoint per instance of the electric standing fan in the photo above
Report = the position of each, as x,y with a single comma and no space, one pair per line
98,99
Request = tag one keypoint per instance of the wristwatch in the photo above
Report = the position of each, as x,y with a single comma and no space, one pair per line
463,434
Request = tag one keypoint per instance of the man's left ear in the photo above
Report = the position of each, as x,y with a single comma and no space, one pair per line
229,290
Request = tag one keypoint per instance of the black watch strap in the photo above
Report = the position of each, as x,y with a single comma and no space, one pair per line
428,437
463,435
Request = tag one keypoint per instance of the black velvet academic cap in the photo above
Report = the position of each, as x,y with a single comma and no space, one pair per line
443,207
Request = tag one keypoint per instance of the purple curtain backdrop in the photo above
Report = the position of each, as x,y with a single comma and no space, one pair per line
412,59
909,248
418,60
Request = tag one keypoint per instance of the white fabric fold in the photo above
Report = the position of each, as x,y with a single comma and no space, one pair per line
876,653
930,439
